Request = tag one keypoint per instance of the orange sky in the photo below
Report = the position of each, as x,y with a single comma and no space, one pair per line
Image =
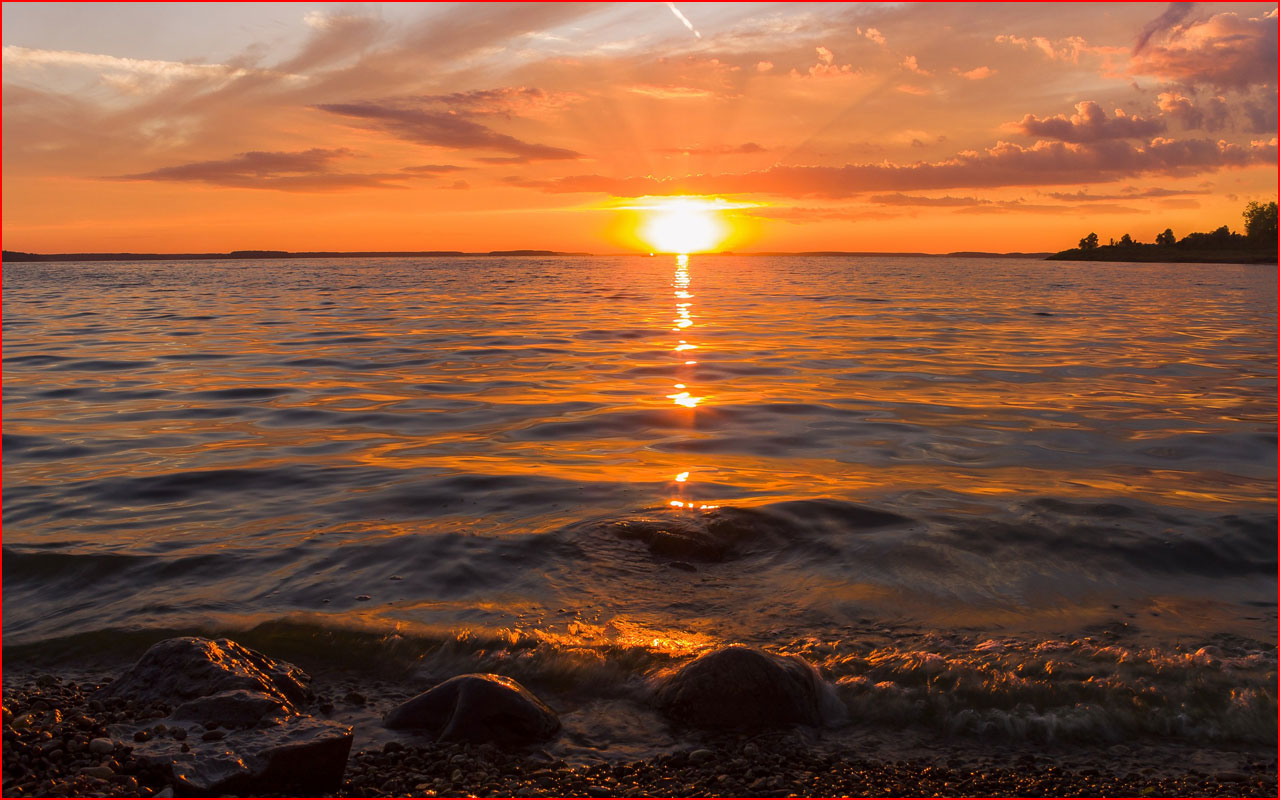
917,127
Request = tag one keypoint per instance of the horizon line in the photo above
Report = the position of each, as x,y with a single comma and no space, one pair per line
22,256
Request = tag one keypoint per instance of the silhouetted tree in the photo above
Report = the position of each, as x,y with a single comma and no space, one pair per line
1260,222
1126,241
1167,238
1089,242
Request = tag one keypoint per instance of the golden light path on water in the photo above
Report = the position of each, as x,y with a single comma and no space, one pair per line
685,368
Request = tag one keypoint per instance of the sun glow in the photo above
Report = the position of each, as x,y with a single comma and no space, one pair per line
683,224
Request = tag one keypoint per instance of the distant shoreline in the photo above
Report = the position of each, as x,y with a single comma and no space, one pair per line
22,257
1148,254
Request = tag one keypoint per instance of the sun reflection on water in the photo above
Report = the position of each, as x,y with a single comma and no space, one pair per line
684,396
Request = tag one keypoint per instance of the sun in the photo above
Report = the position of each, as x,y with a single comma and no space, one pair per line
683,224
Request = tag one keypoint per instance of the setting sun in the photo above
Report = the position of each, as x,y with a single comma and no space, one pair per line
684,224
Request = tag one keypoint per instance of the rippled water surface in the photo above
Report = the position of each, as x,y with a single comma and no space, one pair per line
899,467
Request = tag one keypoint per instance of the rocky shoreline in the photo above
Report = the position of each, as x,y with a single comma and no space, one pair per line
85,737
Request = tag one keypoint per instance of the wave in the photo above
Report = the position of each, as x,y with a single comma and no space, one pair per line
1094,689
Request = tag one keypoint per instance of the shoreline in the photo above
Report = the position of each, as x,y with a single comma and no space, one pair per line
40,758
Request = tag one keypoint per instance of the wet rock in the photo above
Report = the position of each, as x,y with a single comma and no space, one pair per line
675,538
301,756
176,670
741,687
101,746
231,709
477,708
725,533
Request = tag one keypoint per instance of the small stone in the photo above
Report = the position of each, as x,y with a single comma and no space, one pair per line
101,746
178,733
142,736
699,756
363,597
598,791
392,747
456,777
395,578
98,772
212,736
354,698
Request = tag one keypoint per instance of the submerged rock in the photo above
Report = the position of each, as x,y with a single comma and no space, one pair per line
721,534
176,670
477,708
741,687
295,756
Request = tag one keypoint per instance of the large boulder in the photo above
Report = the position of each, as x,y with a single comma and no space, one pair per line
176,670
743,688
236,725
477,708
236,708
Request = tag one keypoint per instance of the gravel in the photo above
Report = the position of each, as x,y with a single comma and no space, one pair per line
56,744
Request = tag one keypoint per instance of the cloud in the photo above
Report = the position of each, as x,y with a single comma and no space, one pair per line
671,92
1005,206
826,67
911,65
975,74
899,199
121,73
872,34
1127,194
1175,13
1005,164
919,91
746,148
1210,115
443,129
800,215
1090,123
764,66
521,101
1261,116
432,169
1069,48
304,171
1226,51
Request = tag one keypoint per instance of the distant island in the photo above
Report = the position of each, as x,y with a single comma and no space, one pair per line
1222,246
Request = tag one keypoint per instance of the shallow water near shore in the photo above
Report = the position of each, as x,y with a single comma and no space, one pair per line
984,496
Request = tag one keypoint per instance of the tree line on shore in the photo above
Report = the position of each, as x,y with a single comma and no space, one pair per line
1260,233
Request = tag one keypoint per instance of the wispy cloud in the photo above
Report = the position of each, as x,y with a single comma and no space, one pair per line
1005,164
443,129
304,171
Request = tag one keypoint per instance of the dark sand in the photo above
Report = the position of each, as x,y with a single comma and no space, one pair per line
49,720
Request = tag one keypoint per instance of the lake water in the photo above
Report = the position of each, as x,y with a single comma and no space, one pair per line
980,494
